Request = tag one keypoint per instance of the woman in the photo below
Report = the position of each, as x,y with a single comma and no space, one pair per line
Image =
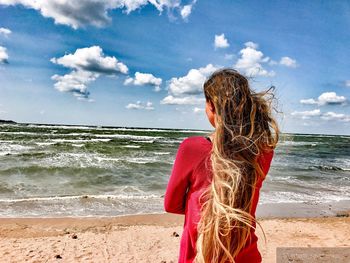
216,180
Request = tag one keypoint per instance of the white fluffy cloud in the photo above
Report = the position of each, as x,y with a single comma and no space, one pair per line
187,100
91,12
5,31
3,51
141,79
251,60
326,98
335,116
307,114
347,83
220,41
3,55
288,62
189,88
87,65
75,82
186,10
192,83
91,59
140,106
328,116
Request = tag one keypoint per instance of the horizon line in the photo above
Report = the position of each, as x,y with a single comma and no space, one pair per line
2,121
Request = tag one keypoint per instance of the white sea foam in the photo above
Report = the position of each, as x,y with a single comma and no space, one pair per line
173,141
144,141
61,126
13,149
162,153
161,130
141,160
128,136
78,145
80,140
21,133
45,143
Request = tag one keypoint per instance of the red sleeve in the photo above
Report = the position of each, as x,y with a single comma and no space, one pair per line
175,195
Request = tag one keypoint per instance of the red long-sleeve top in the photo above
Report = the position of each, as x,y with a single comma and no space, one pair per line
191,175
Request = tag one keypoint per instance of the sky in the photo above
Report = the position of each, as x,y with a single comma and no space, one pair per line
139,63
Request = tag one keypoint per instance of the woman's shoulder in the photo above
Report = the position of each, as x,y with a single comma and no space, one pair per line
195,145
195,141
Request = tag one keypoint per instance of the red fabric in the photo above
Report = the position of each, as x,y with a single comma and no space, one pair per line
191,174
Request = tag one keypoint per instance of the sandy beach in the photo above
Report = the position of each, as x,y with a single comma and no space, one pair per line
147,238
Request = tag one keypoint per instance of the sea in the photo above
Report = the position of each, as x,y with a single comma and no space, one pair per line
89,171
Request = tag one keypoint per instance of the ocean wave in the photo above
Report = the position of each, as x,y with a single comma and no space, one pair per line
81,197
308,183
9,149
328,168
313,135
294,143
82,160
23,133
60,126
114,128
7,141
118,136
85,160
45,143
161,130
80,140
297,197
128,136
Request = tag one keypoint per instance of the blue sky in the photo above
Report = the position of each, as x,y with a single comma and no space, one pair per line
142,63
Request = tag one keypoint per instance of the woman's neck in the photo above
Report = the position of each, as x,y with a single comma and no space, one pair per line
211,136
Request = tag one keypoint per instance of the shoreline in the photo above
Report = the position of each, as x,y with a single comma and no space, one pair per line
307,209
147,237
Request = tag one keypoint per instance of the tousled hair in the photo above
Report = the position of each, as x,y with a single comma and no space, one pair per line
244,129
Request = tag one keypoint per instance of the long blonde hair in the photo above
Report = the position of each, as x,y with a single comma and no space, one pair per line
244,128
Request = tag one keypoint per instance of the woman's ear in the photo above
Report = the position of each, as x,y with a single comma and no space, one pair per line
210,111
211,106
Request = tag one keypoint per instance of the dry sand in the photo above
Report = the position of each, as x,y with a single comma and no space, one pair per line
146,238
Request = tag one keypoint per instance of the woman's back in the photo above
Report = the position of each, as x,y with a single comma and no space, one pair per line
191,175
216,183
